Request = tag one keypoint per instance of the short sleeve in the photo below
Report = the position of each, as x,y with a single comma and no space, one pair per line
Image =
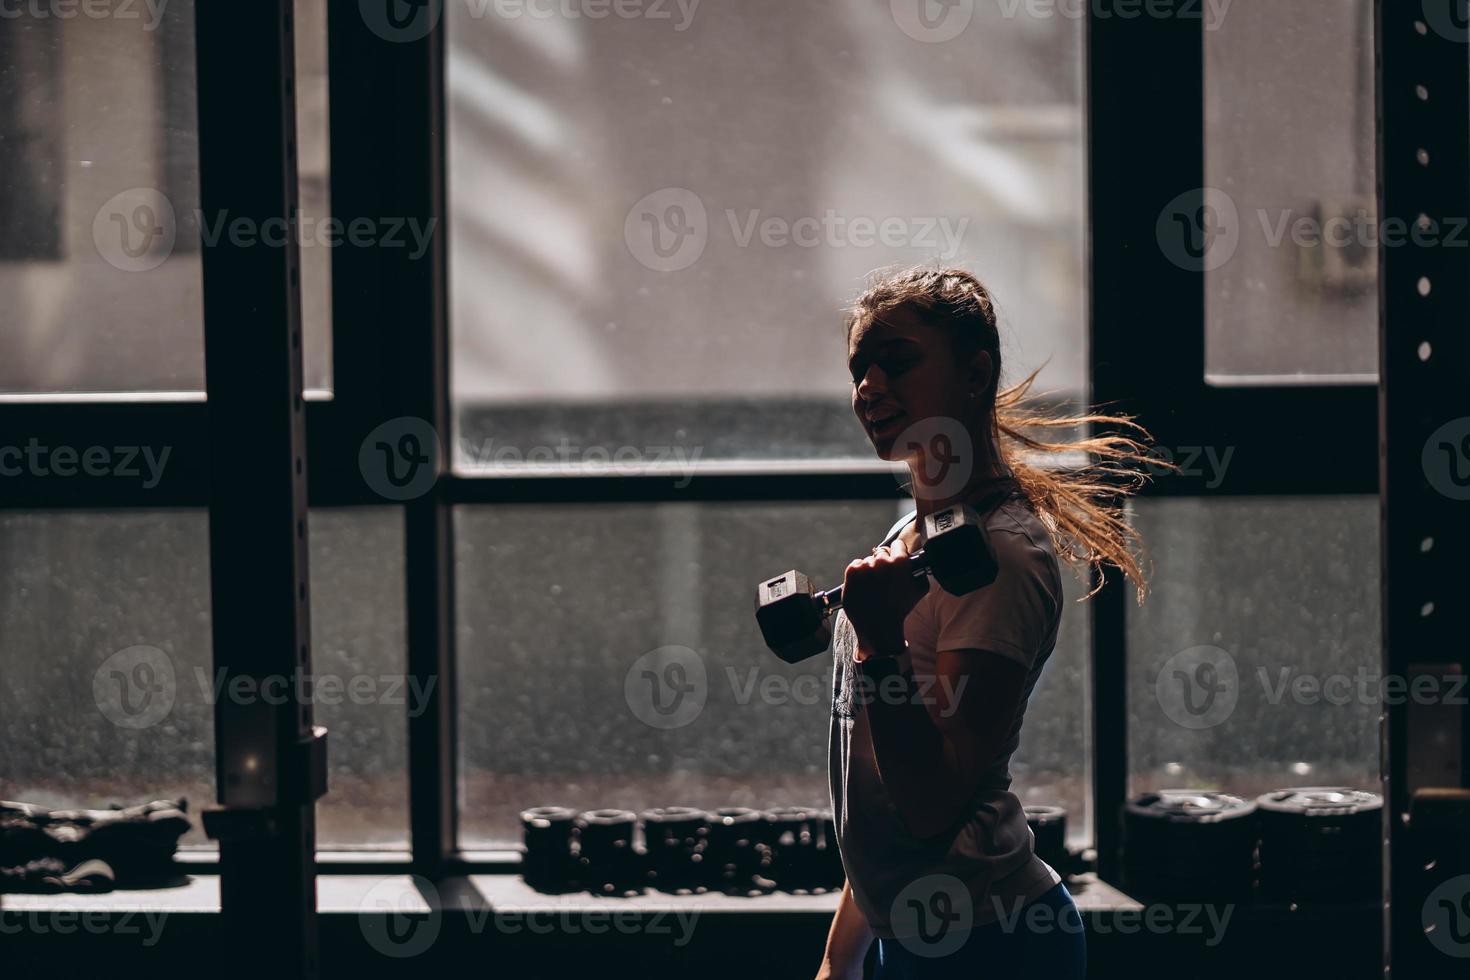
1015,615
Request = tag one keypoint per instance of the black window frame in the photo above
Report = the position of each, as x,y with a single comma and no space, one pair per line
390,358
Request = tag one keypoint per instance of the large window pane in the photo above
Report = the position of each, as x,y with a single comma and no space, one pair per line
116,605
580,626
109,682
99,189
358,637
1245,661
656,218
1289,236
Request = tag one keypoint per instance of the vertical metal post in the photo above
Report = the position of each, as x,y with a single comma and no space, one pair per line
1423,147
1424,465
1145,142
270,760
386,68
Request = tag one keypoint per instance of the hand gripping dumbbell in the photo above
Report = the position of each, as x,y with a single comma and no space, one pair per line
795,618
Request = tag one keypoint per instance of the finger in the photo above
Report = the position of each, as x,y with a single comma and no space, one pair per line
899,548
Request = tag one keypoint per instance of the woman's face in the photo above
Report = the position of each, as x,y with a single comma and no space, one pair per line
904,371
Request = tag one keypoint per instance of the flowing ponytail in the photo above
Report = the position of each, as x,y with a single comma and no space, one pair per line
1082,506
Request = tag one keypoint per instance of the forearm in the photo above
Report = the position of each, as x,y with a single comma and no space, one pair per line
847,941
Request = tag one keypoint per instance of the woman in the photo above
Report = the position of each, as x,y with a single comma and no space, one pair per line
930,689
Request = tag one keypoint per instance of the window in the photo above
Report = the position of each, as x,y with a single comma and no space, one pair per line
651,246
1292,266
111,683
99,257
1252,663
653,240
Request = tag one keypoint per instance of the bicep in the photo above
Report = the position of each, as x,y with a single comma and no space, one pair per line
973,701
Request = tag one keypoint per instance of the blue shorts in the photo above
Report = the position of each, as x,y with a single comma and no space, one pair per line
1046,947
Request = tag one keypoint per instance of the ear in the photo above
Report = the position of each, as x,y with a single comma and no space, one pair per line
981,373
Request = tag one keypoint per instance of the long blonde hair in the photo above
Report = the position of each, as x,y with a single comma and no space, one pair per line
1082,508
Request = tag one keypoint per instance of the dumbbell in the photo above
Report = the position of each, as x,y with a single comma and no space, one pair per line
794,616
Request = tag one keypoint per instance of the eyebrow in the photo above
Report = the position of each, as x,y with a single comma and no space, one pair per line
881,345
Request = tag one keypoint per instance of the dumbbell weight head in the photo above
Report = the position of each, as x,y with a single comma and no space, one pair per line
793,615
792,620
957,550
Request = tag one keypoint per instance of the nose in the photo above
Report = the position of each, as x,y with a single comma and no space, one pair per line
873,385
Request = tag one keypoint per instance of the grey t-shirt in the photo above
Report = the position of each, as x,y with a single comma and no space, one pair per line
992,851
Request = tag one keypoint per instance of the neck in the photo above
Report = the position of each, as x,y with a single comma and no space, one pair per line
987,472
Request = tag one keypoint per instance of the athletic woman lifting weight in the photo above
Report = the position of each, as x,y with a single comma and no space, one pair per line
930,688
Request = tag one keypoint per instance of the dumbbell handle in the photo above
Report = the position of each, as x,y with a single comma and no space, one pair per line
831,600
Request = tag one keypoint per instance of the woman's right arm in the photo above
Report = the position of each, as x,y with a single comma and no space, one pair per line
847,942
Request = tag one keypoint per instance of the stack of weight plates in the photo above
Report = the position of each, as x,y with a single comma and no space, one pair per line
792,832
548,864
738,857
1321,844
1049,826
607,862
1189,845
675,840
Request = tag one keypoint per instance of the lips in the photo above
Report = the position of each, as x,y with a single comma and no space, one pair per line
883,422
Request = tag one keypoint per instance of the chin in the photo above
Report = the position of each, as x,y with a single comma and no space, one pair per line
884,448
